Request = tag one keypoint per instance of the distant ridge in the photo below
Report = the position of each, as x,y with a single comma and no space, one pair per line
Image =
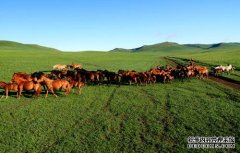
166,47
121,50
175,47
16,46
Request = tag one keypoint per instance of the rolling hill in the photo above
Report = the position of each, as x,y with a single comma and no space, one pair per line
160,47
171,47
15,46
165,47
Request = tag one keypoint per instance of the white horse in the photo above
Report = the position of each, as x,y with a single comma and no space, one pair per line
59,67
225,68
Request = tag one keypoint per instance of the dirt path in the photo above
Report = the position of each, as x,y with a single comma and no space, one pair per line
221,80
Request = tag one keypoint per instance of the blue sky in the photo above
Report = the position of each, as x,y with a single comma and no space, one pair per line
74,25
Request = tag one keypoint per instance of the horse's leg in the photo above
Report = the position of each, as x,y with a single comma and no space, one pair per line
20,89
38,92
6,93
66,90
79,91
45,88
52,91
17,93
46,94
3,95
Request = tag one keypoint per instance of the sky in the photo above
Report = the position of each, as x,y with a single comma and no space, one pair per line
83,25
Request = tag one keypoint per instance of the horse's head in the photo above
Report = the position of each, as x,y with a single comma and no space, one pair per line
13,79
36,76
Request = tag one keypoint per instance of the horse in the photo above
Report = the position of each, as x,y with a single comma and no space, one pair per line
161,75
77,66
217,70
26,85
22,75
220,68
59,74
76,83
132,77
69,67
228,68
9,86
53,84
201,71
59,67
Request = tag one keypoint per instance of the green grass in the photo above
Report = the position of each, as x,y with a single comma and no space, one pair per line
110,118
11,47
215,58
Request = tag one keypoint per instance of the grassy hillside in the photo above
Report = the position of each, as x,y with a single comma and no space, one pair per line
121,50
214,46
164,48
170,48
15,46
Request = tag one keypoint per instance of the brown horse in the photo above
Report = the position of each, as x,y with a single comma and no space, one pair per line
77,66
77,83
9,86
22,75
217,71
26,85
201,71
54,84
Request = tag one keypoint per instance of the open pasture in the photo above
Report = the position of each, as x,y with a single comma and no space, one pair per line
215,57
110,118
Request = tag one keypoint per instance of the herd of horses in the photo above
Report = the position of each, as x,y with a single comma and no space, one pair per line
67,77
218,70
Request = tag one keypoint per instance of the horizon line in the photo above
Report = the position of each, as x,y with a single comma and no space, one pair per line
90,50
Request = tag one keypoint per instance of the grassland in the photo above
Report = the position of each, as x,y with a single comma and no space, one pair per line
110,118
221,56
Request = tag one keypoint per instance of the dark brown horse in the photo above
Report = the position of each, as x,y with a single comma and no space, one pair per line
76,83
59,74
